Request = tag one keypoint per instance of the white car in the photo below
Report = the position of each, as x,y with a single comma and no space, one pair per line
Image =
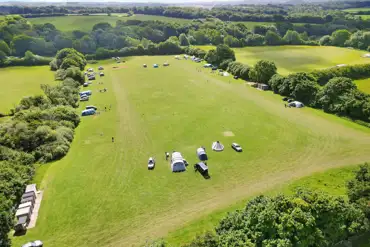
151,163
236,147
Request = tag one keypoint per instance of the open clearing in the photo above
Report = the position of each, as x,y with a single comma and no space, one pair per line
78,22
363,85
289,59
18,82
101,193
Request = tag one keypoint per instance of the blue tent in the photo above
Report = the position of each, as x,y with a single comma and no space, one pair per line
155,65
88,112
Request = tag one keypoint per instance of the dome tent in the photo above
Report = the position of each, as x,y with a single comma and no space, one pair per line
201,153
217,146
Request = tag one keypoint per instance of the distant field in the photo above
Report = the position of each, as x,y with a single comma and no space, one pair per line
354,10
251,24
363,85
364,17
290,59
85,23
18,82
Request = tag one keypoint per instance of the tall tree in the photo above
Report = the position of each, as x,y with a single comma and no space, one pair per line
358,189
263,71
339,37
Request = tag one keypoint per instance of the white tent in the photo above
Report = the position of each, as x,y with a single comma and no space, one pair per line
225,74
296,104
367,55
201,153
207,65
177,162
217,146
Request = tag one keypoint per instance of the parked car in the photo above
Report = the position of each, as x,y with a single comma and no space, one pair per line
236,77
151,163
36,243
236,147
86,98
290,100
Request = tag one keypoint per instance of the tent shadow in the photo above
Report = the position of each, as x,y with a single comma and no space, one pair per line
20,233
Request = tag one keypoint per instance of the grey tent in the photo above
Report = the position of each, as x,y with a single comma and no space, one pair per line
296,104
217,146
201,153
177,162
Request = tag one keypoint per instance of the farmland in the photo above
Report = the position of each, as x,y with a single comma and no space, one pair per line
354,10
78,22
291,59
101,193
18,82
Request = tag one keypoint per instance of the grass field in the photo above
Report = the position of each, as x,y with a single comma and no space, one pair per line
289,59
354,10
74,22
102,194
363,85
18,82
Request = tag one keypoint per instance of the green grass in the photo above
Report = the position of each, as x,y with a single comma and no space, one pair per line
101,193
354,10
18,82
331,181
290,59
364,17
363,85
85,23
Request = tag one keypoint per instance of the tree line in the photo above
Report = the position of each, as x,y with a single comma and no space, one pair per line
40,130
134,37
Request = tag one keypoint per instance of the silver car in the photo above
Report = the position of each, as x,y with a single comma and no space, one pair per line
236,147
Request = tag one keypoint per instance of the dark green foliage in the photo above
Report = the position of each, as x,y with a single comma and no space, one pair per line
195,52
220,54
255,40
240,70
305,219
354,72
292,38
263,71
358,189
300,86
4,47
41,130
339,37
272,38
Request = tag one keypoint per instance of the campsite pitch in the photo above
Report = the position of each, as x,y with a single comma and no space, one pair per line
102,194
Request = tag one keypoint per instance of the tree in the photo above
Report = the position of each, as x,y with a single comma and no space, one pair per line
263,71
63,41
102,26
183,40
305,219
4,47
339,37
2,57
255,40
20,44
272,38
325,40
303,87
222,53
292,38
358,189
